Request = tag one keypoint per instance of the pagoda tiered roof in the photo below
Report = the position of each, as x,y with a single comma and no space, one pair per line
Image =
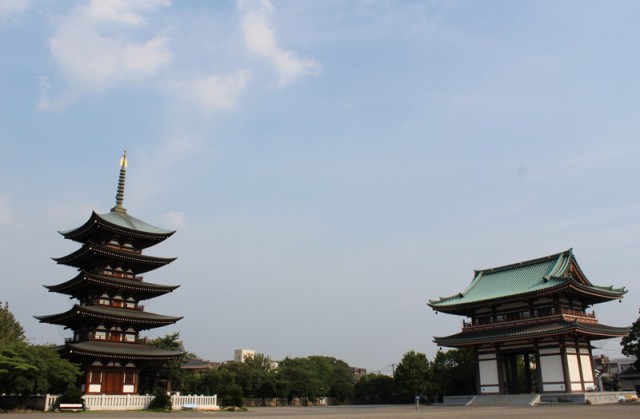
476,336
85,283
118,223
126,351
554,274
79,314
86,257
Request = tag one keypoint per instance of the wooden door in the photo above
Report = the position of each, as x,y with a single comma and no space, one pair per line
112,382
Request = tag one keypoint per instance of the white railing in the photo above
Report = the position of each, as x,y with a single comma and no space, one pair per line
195,402
124,402
50,401
136,402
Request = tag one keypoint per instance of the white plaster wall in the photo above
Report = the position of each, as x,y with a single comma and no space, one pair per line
587,369
488,373
574,367
551,368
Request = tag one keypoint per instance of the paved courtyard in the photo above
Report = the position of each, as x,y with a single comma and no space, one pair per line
617,411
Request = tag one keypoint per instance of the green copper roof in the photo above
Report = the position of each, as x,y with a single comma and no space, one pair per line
124,220
529,277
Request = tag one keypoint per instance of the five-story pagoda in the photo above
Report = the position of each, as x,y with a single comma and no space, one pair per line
107,319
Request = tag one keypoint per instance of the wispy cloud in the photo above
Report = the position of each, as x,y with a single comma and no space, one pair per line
214,92
109,43
96,48
11,8
260,40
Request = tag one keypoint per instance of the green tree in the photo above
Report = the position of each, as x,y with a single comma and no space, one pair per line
15,368
53,373
169,375
10,330
298,379
375,388
413,377
454,373
631,343
26,368
316,376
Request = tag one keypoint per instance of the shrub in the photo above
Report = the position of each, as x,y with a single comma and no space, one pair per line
161,401
71,395
233,396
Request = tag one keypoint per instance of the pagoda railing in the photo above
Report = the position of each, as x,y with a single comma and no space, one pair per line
578,313
118,304
118,274
124,249
525,317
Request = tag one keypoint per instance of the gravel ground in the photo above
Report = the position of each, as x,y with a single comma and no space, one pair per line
605,411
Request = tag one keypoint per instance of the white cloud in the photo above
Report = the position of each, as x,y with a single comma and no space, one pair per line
108,43
10,8
260,40
96,49
214,92
45,103
121,11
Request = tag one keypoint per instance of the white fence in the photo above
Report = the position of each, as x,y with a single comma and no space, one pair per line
136,402
195,402
124,402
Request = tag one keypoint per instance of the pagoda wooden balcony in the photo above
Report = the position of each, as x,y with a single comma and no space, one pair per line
116,304
525,318
579,315
123,248
120,274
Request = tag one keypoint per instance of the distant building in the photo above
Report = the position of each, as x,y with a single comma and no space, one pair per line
617,373
195,365
240,355
629,378
358,373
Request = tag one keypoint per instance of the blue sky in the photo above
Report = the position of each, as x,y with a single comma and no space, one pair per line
329,165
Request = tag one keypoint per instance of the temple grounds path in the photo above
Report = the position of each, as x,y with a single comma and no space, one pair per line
608,411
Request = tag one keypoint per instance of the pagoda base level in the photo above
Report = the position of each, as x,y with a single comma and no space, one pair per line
111,379
542,366
596,397
601,397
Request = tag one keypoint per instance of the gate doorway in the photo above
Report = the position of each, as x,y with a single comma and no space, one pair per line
519,373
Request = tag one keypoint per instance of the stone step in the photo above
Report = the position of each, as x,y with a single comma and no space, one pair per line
506,400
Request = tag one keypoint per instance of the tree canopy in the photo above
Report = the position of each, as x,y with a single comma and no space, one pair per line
26,368
10,330
414,377
454,373
631,343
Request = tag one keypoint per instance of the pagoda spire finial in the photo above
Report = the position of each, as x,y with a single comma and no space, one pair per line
120,193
